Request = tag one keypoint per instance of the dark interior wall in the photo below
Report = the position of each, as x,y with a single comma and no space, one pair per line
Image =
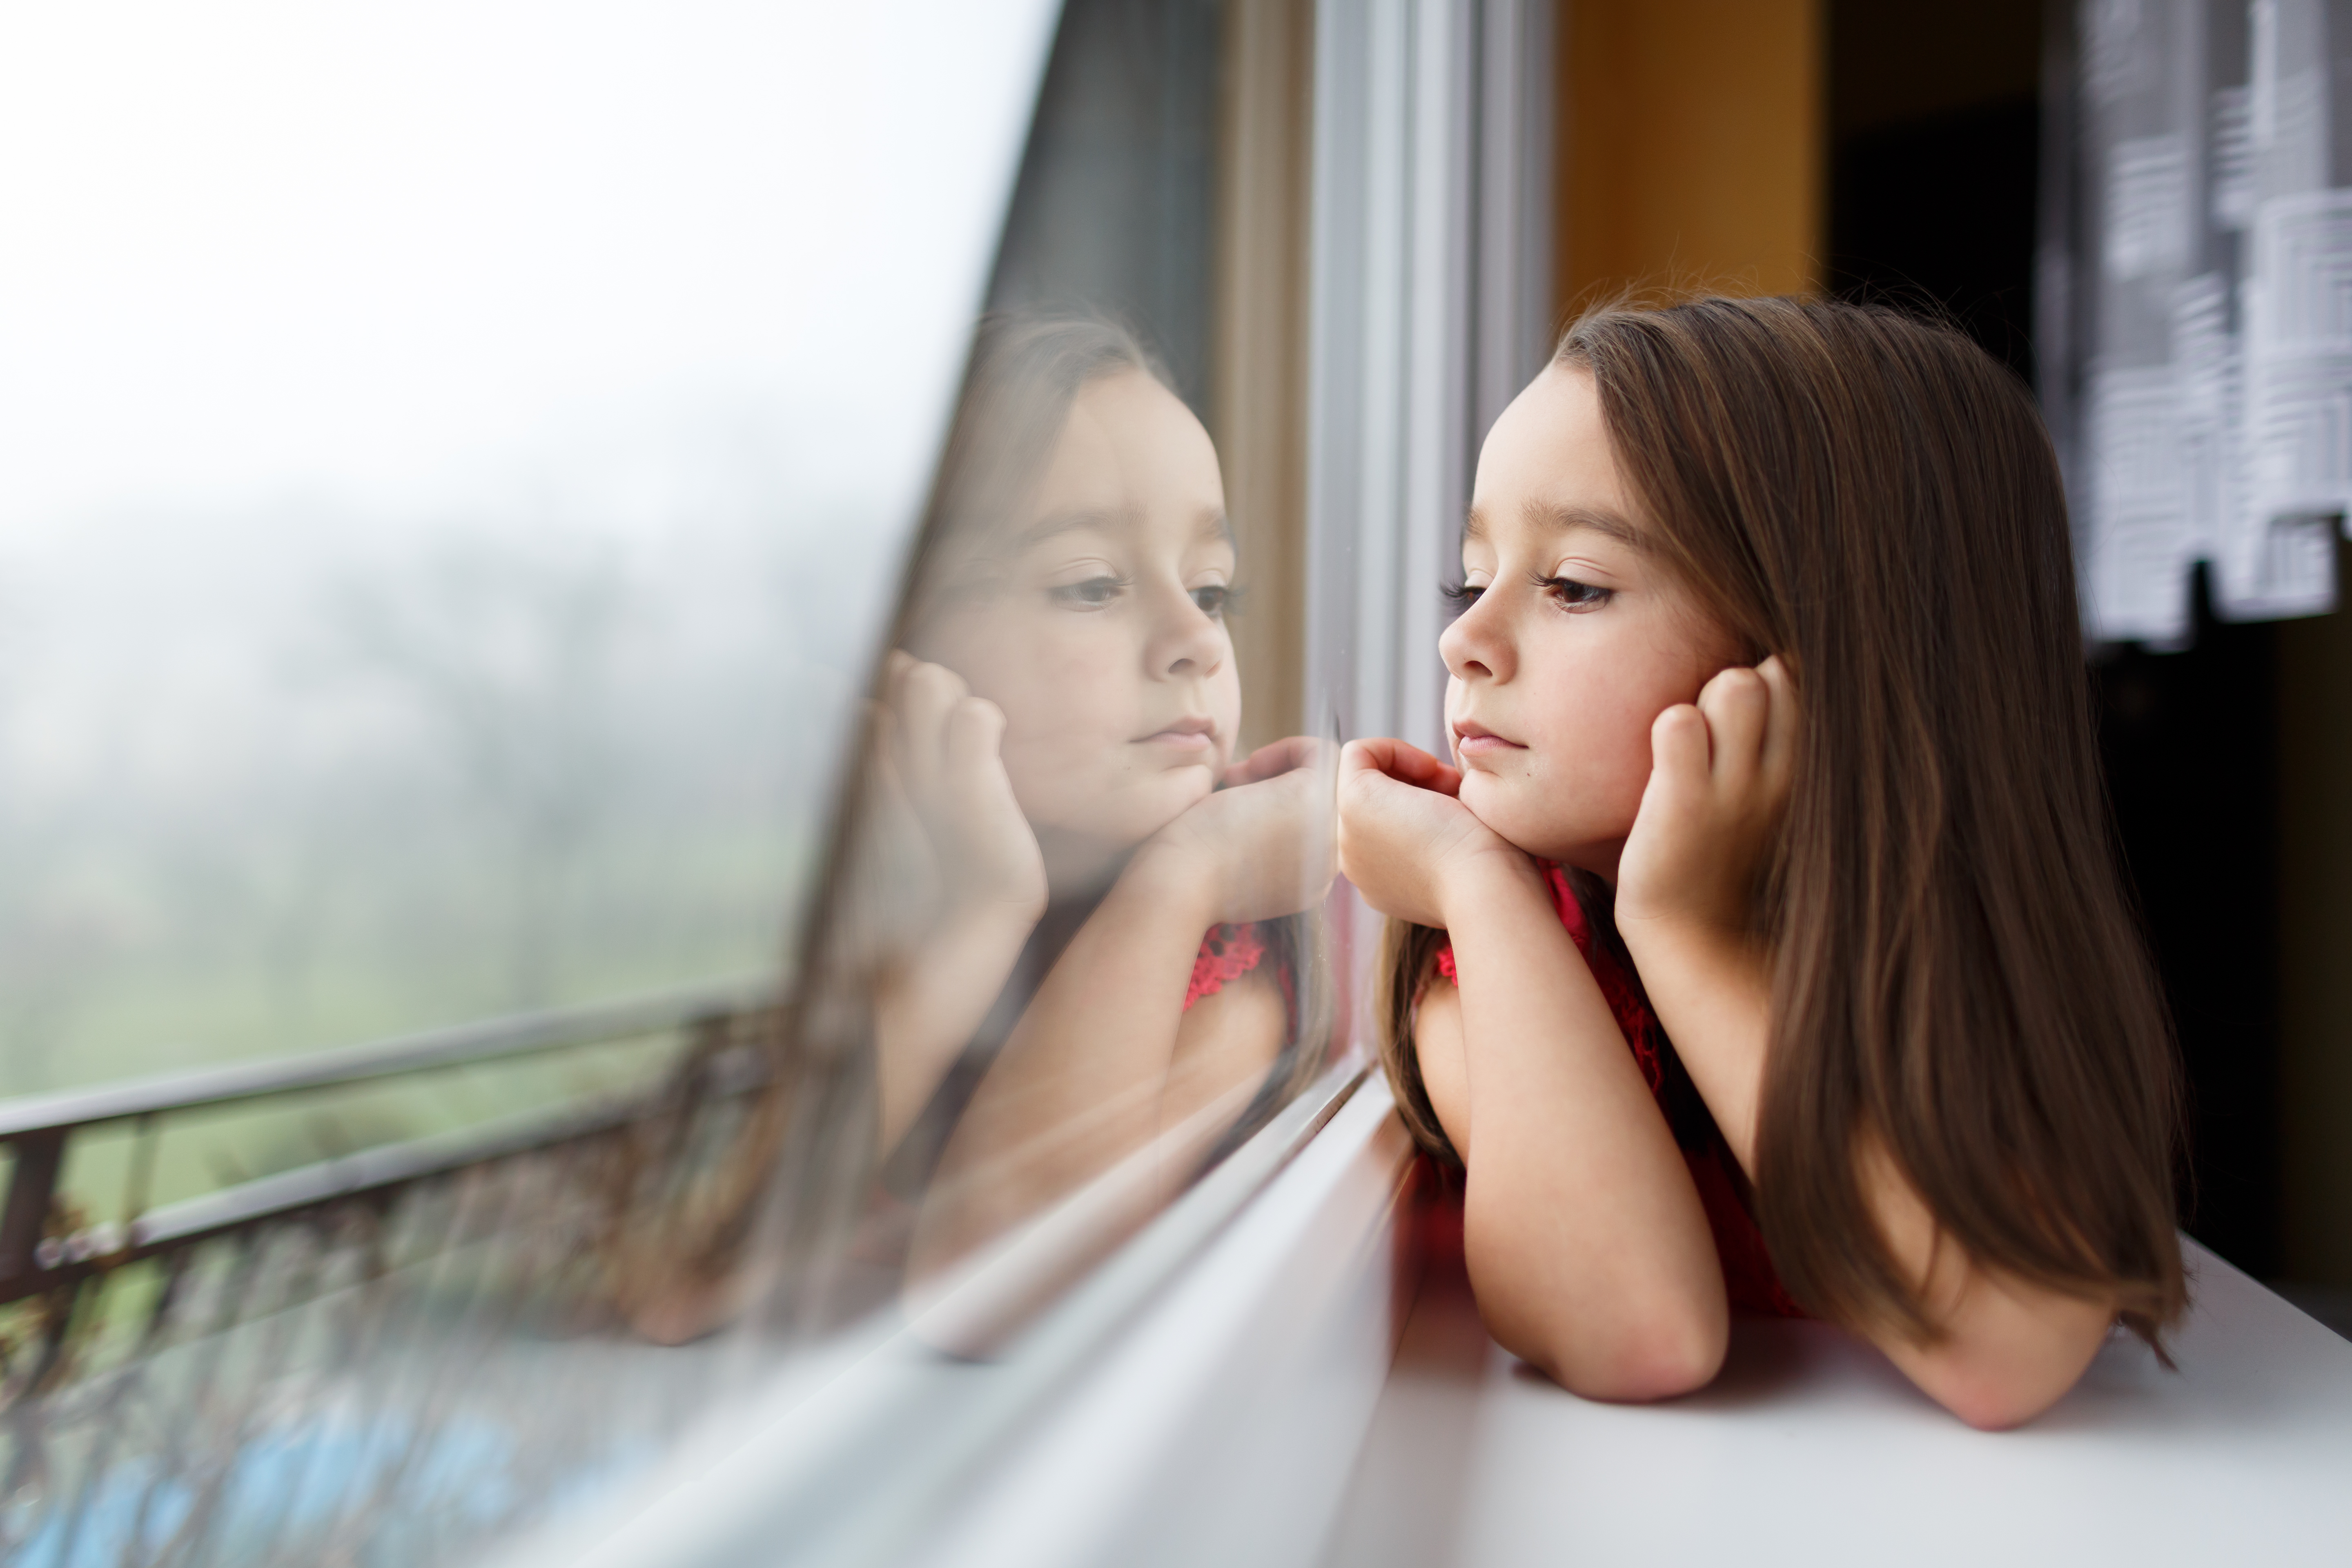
2190,743
2315,763
1897,62
1934,141
1935,146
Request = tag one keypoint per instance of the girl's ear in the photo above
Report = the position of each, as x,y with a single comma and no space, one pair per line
1783,722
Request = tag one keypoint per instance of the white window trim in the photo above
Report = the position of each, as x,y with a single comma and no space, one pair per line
863,1450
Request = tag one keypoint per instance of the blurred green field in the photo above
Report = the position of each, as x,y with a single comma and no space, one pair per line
652,915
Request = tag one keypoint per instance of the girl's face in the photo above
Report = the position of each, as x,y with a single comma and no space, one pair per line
1099,629
1575,638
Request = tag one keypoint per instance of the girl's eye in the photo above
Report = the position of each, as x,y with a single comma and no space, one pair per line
1463,594
1092,593
1214,599
1575,595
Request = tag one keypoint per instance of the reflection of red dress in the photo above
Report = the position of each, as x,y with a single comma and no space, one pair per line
1227,954
1747,1273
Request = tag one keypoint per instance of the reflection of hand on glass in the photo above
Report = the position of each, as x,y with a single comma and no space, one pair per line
1085,604
1259,849
938,769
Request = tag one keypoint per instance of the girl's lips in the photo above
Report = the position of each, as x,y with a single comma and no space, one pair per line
1185,734
1473,740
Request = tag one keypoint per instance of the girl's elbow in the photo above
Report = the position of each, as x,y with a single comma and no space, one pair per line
2000,1399
1662,1357
1992,1406
1663,1369
1998,1389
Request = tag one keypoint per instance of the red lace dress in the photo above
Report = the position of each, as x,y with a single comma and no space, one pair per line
1227,954
1747,1273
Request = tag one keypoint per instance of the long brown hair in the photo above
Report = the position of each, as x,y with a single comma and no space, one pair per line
1956,972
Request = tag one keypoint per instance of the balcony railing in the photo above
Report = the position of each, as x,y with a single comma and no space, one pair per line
390,1354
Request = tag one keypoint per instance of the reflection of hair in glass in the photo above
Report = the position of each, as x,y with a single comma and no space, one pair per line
1025,373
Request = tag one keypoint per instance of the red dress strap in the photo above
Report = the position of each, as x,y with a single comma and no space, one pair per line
1626,1002
1748,1276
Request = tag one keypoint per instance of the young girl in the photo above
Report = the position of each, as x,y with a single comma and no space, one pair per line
1102,954
1761,945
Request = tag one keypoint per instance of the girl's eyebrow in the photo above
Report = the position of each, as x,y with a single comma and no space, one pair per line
1059,522
1550,519
1213,525
1599,519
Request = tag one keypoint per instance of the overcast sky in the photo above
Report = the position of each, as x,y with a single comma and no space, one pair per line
409,256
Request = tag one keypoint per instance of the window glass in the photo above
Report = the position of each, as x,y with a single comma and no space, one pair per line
455,465
738,566
455,459
1076,927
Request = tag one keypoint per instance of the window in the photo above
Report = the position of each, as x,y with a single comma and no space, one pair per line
520,505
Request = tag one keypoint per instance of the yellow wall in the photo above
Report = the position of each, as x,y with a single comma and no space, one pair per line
1691,150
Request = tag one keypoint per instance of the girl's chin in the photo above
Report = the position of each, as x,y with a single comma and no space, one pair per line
1497,805
1121,816
1518,813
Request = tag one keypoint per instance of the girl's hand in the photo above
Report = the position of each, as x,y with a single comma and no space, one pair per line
1402,831
1260,848
939,759
1719,786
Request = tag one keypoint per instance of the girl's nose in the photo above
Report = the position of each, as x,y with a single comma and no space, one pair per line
1186,641
1477,644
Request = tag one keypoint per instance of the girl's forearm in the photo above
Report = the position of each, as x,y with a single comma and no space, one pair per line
927,1011
1713,994
2006,1349
1588,1247
1079,1083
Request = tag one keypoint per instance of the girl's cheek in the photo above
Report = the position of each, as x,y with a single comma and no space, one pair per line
1056,770
1226,701
1625,774
1052,677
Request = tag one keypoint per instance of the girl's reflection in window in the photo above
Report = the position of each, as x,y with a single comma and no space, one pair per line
1105,956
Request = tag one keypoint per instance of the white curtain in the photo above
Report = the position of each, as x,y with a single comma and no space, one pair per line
2210,250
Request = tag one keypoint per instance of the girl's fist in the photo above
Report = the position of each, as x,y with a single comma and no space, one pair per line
1719,773
940,756
1402,830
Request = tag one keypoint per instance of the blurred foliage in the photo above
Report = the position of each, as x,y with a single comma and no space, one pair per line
276,789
